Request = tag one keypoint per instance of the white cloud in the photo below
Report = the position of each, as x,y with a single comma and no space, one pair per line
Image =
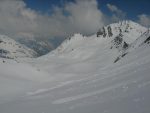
144,20
17,20
118,14
113,8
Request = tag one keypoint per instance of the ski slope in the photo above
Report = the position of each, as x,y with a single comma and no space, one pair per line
80,76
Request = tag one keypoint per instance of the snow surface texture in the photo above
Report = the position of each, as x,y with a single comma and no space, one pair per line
82,75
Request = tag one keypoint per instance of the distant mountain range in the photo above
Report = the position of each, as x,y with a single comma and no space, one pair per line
41,46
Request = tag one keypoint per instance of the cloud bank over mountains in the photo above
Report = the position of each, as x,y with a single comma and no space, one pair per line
83,16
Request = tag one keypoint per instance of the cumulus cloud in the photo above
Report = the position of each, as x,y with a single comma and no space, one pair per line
118,14
17,20
85,16
144,20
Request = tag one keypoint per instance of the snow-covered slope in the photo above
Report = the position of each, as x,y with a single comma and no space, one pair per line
95,74
9,48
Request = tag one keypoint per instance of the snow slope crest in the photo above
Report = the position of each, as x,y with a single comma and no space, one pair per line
71,41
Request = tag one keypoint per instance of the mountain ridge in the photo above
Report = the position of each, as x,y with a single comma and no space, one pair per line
119,37
11,49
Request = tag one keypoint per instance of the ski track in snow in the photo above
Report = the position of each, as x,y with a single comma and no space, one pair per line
73,98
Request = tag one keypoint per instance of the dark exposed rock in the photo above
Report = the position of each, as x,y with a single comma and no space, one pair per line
1,41
125,45
104,32
101,32
110,34
120,31
118,40
2,51
117,59
123,54
147,40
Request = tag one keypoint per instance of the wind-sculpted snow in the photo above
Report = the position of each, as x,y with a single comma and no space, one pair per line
81,75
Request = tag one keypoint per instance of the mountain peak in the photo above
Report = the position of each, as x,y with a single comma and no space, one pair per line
114,40
129,29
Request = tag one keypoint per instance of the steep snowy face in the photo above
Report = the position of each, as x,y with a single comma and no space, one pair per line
123,34
128,29
9,48
142,40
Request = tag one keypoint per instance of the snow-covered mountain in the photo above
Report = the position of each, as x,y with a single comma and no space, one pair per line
104,73
9,48
42,47
117,38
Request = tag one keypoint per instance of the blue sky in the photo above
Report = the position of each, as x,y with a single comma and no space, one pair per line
131,7
45,6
